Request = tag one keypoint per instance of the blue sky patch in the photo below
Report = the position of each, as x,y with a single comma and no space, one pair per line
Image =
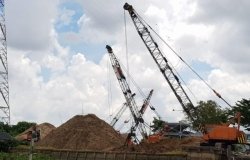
202,68
46,73
78,12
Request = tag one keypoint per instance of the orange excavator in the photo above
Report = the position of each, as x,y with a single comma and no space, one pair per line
223,133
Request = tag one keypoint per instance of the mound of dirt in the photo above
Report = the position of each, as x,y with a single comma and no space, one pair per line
163,146
45,129
83,133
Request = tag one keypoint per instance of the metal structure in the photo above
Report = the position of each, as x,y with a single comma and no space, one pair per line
161,61
142,110
4,85
146,102
129,96
118,115
215,133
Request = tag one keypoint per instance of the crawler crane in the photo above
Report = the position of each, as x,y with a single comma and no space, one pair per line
129,96
216,133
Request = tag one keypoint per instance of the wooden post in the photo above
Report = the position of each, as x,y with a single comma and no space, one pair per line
85,156
77,155
135,156
67,155
105,155
124,156
31,149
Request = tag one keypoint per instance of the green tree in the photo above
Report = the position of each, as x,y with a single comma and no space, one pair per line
207,113
14,130
21,127
5,127
242,106
158,125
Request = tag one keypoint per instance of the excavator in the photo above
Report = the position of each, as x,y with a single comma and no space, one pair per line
212,134
223,133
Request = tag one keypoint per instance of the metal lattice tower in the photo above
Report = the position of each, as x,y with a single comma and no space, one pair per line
4,85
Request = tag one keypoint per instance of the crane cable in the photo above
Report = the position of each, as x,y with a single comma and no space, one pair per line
172,66
209,86
130,78
126,44
141,92
127,70
109,89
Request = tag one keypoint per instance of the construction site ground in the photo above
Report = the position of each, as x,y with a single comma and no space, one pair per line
91,133
89,137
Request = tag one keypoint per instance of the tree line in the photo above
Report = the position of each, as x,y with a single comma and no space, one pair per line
210,112
14,130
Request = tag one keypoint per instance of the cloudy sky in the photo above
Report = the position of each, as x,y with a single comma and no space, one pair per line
59,67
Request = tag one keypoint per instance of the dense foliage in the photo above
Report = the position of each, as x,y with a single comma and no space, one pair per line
242,106
207,113
15,129
158,125
6,145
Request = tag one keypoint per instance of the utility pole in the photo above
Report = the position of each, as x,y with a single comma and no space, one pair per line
4,85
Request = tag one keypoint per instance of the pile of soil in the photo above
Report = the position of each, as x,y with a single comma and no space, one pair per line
45,129
163,146
83,133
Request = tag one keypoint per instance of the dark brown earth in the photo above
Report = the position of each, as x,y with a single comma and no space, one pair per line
91,133
83,133
163,146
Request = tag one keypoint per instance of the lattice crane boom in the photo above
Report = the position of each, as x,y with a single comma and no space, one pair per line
146,102
129,96
118,115
161,61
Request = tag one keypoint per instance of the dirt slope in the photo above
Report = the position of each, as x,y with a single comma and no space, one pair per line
83,133
45,129
163,146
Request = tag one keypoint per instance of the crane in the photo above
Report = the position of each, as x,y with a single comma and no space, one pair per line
142,110
161,61
118,115
217,133
146,102
129,96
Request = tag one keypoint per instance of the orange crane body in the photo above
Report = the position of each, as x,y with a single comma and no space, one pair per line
223,133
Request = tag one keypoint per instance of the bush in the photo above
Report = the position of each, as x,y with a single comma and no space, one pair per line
6,145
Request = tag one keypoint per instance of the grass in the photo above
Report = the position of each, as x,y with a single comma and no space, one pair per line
23,156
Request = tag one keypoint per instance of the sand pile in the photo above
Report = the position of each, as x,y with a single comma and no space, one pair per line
163,146
83,133
45,129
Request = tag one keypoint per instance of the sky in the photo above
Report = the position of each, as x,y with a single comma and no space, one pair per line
59,66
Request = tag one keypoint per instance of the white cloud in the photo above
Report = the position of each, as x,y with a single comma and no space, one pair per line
78,85
29,22
54,63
